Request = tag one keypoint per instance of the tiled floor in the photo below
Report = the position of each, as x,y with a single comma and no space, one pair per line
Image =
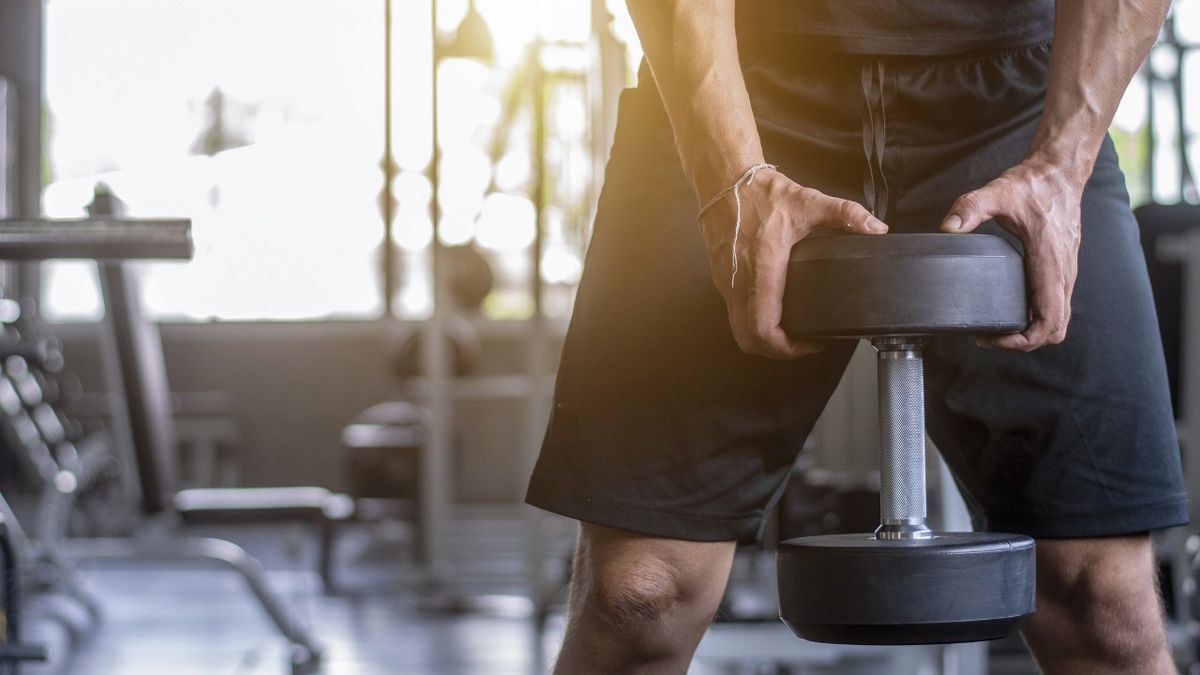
198,620
202,623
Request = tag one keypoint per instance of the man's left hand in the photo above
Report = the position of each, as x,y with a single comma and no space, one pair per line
1040,204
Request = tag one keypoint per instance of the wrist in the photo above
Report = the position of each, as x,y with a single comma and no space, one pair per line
1066,149
711,177
1073,167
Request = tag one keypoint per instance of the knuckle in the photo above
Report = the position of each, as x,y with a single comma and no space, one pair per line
762,330
1004,183
808,196
848,210
968,202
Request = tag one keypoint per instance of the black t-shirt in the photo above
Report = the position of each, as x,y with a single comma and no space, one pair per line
902,27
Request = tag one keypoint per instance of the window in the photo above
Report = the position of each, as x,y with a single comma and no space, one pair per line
1155,127
262,120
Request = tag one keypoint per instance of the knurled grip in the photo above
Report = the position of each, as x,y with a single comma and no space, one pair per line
901,435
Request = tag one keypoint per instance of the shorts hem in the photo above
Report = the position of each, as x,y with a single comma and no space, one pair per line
655,523
1115,522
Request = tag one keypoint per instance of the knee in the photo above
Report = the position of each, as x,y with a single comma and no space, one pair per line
635,599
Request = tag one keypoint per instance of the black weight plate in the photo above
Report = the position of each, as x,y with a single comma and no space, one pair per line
904,284
956,587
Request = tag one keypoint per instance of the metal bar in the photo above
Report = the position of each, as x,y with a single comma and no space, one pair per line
21,49
12,599
901,439
220,551
536,404
16,533
538,80
13,652
1151,131
1187,187
436,491
22,38
95,238
8,148
389,169
901,436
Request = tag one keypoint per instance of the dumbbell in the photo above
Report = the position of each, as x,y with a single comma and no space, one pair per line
903,583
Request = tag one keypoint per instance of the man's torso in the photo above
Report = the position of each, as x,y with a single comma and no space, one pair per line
902,27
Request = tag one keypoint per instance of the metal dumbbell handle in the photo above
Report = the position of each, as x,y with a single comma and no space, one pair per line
901,439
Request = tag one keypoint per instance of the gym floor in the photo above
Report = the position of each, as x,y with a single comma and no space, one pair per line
187,619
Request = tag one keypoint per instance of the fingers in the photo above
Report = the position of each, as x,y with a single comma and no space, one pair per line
1045,266
972,209
764,340
762,333
840,214
1044,329
758,329
767,278
755,298
775,344
1051,279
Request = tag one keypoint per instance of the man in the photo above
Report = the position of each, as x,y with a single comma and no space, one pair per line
681,403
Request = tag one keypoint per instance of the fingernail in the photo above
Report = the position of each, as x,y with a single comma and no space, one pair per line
983,342
877,226
952,223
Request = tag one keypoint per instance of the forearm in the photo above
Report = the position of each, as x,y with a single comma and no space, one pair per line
1098,46
692,50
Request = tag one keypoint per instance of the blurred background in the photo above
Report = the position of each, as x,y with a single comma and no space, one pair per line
348,381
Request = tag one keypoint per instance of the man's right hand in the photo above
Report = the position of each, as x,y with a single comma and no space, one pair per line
776,214
692,49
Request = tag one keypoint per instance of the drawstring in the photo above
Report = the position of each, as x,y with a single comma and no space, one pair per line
874,138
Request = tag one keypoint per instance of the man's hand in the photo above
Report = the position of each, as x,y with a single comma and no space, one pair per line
1039,203
776,213
1097,48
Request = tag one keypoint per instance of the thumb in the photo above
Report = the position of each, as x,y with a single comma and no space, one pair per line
844,215
971,210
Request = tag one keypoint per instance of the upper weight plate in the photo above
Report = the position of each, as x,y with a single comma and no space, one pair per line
904,284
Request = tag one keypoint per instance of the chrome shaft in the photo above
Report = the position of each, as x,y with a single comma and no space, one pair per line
901,439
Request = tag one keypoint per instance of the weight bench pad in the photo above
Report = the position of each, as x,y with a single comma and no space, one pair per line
240,505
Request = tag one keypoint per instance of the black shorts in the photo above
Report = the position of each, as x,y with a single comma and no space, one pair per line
661,425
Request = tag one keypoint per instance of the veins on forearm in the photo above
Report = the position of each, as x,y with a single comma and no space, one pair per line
692,51
1098,46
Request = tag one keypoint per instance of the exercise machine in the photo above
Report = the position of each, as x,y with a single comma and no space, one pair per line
62,463
142,421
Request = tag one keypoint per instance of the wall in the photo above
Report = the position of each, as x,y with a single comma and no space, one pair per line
297,384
